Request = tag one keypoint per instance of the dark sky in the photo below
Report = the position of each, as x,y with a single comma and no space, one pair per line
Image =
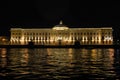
47,13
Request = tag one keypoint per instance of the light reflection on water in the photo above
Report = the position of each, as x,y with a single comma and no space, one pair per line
63,63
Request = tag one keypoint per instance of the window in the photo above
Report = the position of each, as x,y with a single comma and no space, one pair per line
109,33
87,33
90,33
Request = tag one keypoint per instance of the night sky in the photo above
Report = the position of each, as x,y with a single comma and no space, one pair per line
47,13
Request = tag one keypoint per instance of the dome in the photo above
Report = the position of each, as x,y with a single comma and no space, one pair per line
60,26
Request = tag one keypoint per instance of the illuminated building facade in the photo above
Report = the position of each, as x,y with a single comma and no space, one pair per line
61,34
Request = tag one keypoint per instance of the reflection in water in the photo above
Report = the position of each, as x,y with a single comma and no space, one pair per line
3,61
59,57
3,58
18,57
117,62
59,63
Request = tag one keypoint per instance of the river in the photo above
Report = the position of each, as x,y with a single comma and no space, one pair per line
59,64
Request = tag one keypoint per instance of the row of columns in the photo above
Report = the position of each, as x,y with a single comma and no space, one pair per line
83,39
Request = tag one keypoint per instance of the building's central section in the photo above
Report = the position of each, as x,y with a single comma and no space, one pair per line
62,36
61,32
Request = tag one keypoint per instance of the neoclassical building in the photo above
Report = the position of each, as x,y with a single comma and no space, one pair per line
61,34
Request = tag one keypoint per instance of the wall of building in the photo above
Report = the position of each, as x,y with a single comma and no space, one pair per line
86,36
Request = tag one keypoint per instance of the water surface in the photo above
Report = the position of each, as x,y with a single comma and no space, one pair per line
59,64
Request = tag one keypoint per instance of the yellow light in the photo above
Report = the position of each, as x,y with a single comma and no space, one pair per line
3,39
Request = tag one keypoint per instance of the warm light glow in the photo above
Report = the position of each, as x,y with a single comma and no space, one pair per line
108,38
59,38
61,22
63,34
99,39
3,52
60,28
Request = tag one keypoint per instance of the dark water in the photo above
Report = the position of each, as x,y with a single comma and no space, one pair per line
59,64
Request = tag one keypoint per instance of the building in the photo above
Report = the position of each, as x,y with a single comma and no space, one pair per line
62,35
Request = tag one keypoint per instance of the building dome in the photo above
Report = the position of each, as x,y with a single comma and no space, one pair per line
60,26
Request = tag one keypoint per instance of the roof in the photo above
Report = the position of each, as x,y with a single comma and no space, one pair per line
60,26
